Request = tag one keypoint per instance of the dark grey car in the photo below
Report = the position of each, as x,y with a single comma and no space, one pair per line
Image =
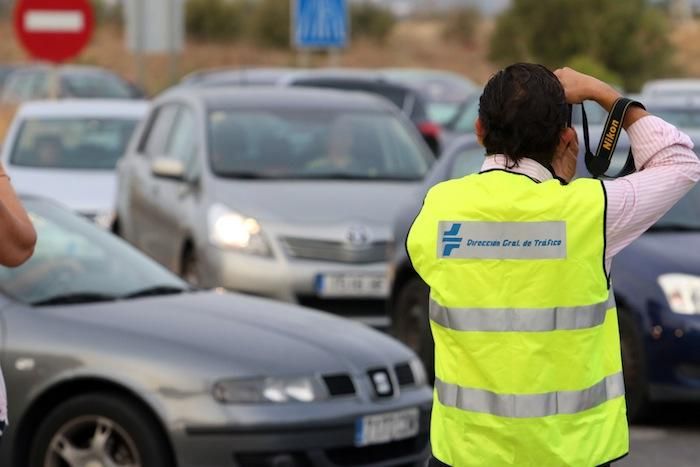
110,360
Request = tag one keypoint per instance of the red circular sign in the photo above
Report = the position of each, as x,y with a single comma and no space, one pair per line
53,30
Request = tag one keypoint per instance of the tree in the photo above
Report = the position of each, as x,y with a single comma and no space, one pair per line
626,37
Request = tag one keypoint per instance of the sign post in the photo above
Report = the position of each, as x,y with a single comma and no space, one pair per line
320,25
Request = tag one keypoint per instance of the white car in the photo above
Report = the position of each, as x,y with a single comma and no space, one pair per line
67,151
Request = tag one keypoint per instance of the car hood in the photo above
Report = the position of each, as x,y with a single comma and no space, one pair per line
332,201
246,335
662,252
84,191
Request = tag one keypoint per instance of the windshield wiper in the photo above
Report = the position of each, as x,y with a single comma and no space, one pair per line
74,297
349,176
245,175
675,228
156,290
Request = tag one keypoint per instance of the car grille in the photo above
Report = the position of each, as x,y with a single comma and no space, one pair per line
404,375
340,252
339,385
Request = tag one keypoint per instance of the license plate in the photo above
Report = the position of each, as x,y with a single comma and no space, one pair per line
386,427
352,285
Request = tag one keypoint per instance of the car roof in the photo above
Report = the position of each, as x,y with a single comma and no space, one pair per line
672,102
240,75
84,107
280,97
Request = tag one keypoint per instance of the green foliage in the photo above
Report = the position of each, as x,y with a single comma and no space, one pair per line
214,19
371,21
270,22
586,64
461,24
626,37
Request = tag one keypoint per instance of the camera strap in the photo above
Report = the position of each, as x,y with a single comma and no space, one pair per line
598,163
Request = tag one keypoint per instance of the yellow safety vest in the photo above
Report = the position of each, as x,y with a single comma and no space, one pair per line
527,352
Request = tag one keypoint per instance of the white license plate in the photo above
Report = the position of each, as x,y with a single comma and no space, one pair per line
352,285
387,427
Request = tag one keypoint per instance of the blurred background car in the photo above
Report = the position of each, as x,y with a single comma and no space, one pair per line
409,101
681,111
673,88
111,360
443,91
74,81
285,193
67,150
6,69
237,77
408,301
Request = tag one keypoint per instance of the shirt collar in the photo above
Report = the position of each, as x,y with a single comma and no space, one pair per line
528,167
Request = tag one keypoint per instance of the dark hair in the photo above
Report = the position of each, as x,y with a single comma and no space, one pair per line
523,111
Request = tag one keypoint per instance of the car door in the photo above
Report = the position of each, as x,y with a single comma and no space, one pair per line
177,198
143,213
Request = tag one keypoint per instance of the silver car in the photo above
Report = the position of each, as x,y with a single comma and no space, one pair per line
110,360
67,150
284,193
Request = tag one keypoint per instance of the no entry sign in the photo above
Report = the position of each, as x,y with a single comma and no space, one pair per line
53,30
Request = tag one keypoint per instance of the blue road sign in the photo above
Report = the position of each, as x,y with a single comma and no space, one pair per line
320,23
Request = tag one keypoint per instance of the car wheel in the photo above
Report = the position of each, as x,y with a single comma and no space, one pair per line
99,430
190,267
634,367
410,322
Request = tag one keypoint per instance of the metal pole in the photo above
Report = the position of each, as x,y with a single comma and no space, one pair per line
140,14
172,49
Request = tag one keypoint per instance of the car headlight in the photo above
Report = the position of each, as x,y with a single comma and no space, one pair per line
230,230
269,390
420,376
682,292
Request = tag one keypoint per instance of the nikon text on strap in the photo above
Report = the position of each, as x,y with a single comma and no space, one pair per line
598,163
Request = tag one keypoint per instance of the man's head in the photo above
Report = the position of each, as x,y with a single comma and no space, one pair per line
523,113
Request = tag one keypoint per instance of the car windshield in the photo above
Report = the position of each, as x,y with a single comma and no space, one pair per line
73,257
72,143
95,85
685,215
467,161
323,144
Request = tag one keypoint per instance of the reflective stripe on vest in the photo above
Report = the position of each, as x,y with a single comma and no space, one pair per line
530,405
520,319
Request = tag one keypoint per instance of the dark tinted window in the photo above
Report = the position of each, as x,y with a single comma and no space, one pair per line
684,215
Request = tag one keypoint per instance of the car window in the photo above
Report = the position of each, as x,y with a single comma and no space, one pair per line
293,143
19,86
39,87
679,117
182,144
467,161
71,143
158,130
685,215
464,123
74,256
94,85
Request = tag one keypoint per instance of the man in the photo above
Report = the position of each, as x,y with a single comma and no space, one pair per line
527,354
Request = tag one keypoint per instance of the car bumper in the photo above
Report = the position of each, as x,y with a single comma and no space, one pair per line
294,281
321,443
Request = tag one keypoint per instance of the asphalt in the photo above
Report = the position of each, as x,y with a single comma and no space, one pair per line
669,438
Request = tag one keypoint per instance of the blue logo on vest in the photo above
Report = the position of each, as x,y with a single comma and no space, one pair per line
450,241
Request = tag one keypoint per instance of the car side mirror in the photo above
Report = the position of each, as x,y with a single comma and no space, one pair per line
168,168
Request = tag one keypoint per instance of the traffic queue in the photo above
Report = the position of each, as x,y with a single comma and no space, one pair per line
210,265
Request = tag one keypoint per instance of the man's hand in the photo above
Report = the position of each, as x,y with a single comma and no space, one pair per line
564,161
579,87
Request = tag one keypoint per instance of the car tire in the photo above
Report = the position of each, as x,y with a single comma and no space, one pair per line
634,367
90,427
410,322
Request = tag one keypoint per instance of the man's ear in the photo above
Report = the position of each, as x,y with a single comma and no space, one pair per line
479,130
567,135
